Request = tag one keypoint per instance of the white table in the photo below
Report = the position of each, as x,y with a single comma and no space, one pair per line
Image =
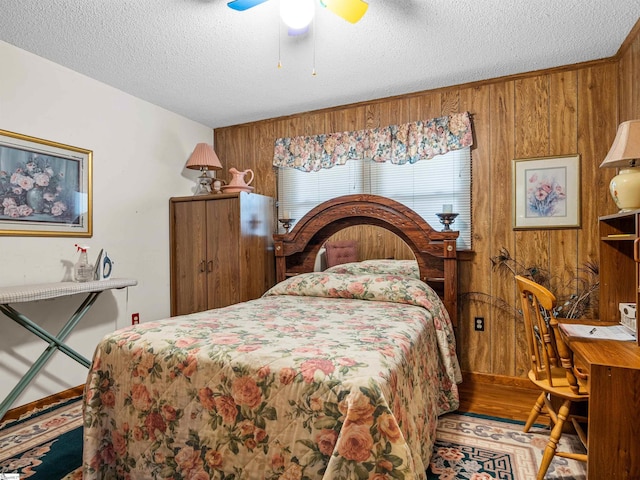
44,291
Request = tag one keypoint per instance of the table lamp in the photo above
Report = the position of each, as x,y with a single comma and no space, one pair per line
204,159
625,154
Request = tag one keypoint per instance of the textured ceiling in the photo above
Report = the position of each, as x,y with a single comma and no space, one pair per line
219,67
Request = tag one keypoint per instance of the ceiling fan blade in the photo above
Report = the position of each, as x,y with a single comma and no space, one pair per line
351,10
242,5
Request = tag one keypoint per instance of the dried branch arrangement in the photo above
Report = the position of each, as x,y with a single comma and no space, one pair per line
582,303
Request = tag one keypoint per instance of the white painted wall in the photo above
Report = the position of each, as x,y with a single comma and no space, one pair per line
139,152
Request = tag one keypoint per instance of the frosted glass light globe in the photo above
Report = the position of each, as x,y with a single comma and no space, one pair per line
297,14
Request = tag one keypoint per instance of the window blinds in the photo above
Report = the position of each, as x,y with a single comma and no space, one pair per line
424,186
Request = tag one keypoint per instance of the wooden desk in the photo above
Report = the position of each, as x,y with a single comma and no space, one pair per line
613,382
30,293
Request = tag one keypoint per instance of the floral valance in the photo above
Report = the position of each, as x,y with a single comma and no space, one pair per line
398,144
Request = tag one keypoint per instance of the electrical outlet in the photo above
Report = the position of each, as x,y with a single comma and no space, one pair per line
479,324
135,318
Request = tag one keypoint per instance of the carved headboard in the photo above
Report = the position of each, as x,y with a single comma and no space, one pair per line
435,251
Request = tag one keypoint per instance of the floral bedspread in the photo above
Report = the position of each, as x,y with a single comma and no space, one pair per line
326,376
407,268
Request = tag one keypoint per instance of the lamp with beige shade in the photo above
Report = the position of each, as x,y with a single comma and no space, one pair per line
625,154
204,158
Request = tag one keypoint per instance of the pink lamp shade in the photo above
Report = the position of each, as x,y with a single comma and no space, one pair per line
204,158
626,146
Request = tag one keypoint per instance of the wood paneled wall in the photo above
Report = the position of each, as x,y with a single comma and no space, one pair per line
375,242
629,72
568,110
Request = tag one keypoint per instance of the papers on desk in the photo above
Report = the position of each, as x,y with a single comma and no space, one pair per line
613,332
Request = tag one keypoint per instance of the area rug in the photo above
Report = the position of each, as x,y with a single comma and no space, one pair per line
47,445
477,447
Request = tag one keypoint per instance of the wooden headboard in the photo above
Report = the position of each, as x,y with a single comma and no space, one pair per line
435,251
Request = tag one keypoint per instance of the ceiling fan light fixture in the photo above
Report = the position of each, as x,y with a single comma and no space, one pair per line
293,32
297,14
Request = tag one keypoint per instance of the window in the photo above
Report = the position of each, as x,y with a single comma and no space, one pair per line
424,186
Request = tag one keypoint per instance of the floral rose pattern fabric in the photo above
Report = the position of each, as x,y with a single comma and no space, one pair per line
399,144
326,376
407,268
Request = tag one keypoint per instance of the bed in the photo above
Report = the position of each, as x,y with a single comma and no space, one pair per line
435,251
327,376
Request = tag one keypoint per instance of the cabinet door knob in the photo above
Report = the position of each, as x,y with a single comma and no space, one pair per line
202,266
636,249
210,266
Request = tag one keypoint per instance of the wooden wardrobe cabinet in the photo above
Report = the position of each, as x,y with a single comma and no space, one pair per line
221,250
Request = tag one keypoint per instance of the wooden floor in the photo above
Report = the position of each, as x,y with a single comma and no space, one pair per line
503,397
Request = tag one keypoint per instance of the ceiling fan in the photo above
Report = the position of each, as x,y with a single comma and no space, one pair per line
351,10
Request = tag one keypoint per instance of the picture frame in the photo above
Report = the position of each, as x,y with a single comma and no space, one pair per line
546,192
45,187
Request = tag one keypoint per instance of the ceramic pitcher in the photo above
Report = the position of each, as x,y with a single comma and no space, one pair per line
237,178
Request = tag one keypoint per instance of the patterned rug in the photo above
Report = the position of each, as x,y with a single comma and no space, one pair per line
47,445
476,447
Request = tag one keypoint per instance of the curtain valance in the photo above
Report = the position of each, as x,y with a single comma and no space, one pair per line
398,144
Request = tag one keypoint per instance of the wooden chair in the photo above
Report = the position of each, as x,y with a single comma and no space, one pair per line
341,251
551,369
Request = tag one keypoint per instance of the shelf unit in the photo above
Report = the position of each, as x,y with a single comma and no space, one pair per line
619,264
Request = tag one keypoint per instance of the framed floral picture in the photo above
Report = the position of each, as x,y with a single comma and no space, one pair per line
45,187
546,192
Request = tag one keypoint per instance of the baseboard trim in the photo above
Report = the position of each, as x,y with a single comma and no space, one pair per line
503,380
18,412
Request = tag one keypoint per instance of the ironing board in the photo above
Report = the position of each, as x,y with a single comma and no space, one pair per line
45,291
